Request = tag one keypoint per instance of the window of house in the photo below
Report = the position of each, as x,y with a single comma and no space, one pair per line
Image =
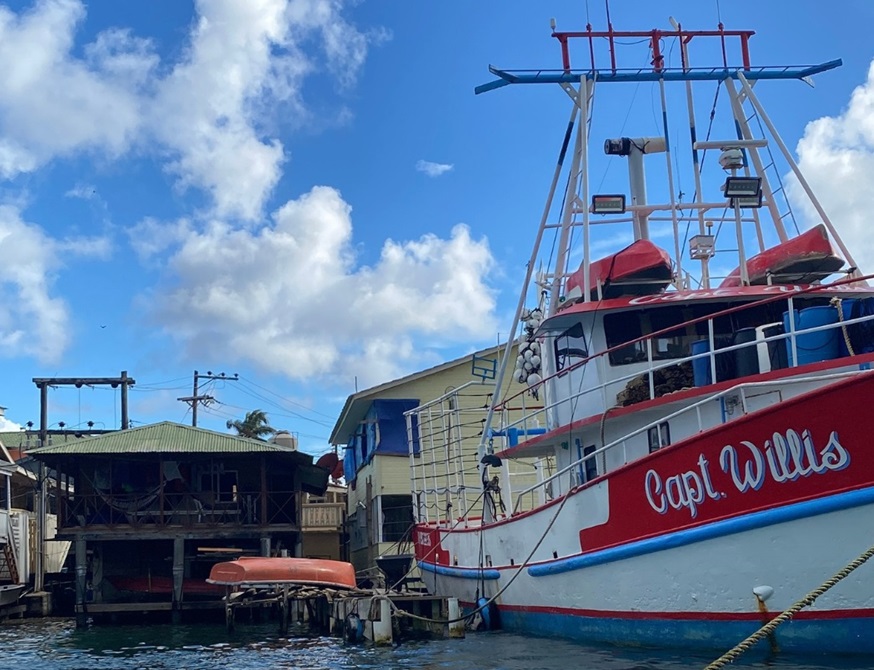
570,347
397,517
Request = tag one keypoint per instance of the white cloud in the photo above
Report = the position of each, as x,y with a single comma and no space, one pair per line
289,296
53,103
82,192
33,321
433,169
7,426
836,155
204,115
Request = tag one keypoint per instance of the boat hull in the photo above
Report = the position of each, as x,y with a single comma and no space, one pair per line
700,595
668,549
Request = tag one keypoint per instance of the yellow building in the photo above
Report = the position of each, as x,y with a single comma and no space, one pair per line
376,436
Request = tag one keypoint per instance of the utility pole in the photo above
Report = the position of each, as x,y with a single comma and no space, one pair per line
196,399
41,501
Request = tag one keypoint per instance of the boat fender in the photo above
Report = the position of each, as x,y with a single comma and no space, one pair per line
353,628
489,614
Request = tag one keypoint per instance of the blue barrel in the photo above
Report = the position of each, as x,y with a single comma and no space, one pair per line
813,347
747,358
701,366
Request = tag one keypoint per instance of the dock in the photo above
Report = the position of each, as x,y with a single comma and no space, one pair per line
360,615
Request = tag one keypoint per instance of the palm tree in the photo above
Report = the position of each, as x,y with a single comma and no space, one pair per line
255,425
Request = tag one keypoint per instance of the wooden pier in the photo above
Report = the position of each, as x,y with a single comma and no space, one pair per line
374,616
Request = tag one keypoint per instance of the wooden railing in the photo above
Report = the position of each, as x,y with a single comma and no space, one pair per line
175,509
322,516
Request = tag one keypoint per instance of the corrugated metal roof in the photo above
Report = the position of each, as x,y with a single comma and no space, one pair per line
164,437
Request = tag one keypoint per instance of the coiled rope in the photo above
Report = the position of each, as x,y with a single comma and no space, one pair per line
772,625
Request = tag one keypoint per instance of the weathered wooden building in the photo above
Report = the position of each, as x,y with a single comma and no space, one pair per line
153,508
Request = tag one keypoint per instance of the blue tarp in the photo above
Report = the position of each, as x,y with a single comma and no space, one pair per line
389,414
383,431
350,465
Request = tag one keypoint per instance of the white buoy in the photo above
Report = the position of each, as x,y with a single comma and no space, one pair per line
534,379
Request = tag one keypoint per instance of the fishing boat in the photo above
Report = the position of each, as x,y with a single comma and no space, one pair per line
697,442
267,571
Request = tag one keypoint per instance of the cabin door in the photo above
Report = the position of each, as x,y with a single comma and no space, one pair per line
575,389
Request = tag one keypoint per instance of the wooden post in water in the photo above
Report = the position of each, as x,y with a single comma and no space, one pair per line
81,576
456,623
283,611
382,632
178,574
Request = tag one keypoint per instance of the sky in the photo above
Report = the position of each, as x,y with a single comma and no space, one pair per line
307,193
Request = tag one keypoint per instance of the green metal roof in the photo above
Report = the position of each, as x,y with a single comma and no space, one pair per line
164,438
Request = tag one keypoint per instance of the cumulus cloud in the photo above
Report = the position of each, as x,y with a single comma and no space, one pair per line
290,297
205,115
836,155
33,321
433,169
54,103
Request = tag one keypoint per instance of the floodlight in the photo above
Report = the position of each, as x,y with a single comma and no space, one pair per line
743,187
608,204
747,201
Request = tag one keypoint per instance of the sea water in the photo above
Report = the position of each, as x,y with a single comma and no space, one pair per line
54,644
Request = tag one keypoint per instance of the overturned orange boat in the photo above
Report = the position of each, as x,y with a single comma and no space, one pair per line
259,571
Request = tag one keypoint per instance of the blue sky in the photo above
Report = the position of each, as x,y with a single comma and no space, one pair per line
307,193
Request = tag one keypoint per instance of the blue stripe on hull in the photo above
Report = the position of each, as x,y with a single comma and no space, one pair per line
854,635
461,573
740,524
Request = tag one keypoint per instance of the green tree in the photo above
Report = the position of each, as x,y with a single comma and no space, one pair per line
255,425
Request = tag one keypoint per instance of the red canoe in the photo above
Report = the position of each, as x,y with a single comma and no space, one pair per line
801,260
640,268
255,571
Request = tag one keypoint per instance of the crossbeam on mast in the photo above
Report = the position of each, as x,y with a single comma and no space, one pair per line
507,77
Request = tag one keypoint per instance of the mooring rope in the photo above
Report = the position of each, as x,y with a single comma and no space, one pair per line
772,625
837,302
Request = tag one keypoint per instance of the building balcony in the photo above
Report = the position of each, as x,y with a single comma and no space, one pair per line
322,516
201,510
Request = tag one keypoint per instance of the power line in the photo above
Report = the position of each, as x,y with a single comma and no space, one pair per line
288,400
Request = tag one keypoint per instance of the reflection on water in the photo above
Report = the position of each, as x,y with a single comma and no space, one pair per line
56,644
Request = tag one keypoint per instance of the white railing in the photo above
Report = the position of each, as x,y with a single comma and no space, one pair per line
652,365
741,389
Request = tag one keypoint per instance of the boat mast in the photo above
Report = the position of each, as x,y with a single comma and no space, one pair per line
579,85
579,174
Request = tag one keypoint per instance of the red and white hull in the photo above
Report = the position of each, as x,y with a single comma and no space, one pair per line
673,544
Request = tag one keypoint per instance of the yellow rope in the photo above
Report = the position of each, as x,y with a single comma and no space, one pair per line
772,625
837,302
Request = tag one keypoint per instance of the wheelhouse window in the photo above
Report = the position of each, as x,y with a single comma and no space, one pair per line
659,436
570,347
676,340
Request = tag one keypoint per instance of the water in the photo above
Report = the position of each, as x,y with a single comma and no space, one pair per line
57,645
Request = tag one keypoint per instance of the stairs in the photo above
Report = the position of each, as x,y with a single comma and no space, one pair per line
9,565
9,568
